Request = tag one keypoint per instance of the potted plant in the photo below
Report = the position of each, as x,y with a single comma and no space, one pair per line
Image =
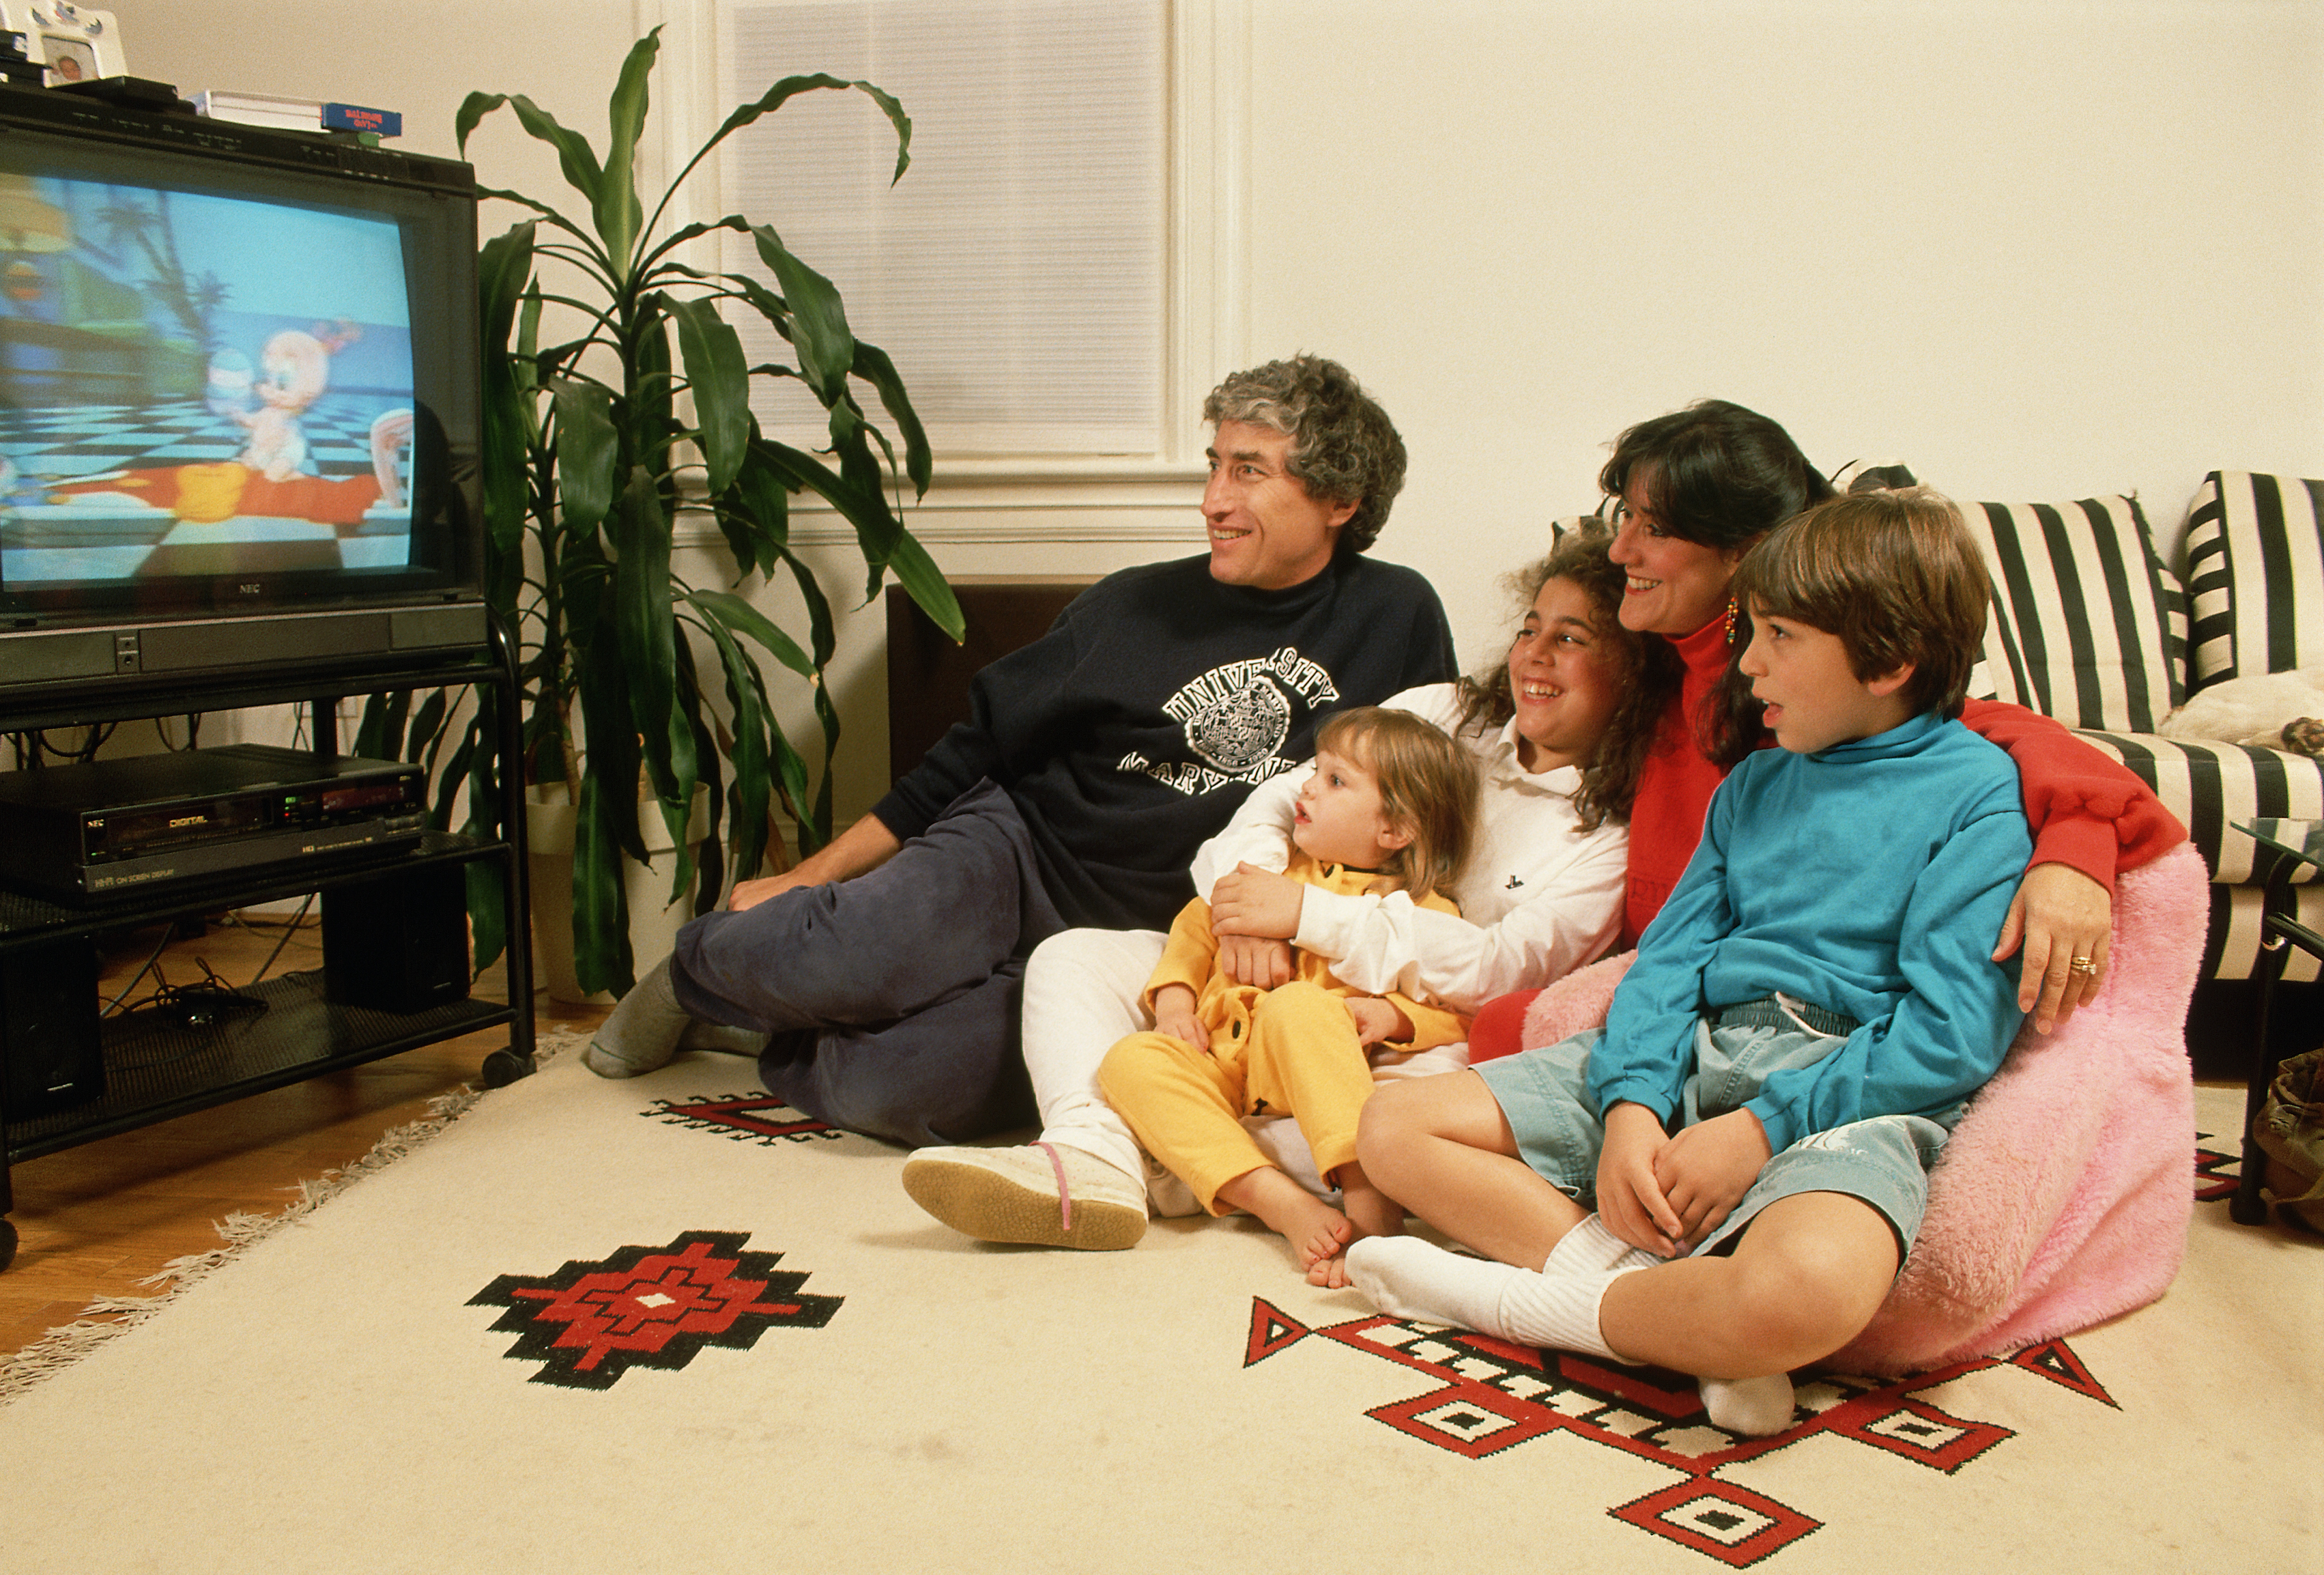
593,448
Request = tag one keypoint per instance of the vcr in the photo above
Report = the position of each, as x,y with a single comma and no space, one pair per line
104,829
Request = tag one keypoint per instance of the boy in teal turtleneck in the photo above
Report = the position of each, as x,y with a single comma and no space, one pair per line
1804,1022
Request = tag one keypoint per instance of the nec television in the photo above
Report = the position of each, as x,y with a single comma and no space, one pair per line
239,401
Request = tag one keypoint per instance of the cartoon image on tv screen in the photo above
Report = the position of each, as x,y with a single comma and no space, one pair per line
198,384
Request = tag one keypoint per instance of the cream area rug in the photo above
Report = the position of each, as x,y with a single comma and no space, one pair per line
669,1324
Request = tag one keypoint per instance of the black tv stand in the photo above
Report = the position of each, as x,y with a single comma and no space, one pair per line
156,1065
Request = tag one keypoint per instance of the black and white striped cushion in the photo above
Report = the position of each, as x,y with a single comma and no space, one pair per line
2090,628
2212,787
2231,948
2255,573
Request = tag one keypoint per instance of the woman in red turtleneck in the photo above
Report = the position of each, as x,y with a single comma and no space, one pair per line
1695,489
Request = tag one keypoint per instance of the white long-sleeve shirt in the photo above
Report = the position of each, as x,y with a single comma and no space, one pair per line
1538,896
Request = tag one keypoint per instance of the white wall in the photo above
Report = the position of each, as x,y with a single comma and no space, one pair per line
2035,248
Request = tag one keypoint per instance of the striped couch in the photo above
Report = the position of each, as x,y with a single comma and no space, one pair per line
2094,629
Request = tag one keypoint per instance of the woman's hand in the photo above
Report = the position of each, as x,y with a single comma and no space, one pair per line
1630,1199
1252,901
2059,915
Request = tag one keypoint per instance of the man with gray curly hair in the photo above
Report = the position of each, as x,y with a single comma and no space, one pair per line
879,981
1342,445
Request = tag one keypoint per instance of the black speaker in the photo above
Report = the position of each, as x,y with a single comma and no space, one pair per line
400,942
48,1027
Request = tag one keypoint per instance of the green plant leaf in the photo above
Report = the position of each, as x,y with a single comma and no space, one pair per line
488,920
918,574
426,724
614,205
790,88
818,319
601,930
503,270
867,512
642,593
750,793
457,771
719,374
755,513
575,156
822,634
872,366
586,451
741,616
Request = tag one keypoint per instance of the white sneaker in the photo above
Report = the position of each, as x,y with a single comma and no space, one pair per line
1041,1194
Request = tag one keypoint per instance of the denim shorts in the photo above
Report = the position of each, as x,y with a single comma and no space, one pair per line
1883,1159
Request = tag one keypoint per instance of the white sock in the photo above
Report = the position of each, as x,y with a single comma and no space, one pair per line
1592,1247
1559,1310
1753,1407
1407,1277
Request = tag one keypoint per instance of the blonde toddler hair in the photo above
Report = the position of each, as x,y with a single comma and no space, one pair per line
1428,787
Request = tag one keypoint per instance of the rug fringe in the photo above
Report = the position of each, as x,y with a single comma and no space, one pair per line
109,1317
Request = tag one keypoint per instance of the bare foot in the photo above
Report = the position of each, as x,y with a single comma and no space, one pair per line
1315,1230
1372,1211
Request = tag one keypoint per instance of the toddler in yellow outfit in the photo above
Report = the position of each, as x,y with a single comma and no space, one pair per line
1387,810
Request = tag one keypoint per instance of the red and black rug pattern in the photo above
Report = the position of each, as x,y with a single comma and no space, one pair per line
2217,1173
649,1307
1488,1395
757,1117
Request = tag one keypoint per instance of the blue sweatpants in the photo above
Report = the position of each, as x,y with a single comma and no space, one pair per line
893,996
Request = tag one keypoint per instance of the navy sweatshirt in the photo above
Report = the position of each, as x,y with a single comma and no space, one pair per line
1129,733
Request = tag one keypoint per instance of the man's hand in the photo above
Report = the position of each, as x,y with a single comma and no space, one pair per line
1707,1168
1378,1021
1174,1015
1630,1199
751,894
866,845
2060,914
1249,959
1251,901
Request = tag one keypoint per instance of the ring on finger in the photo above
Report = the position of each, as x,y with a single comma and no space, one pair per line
2087,967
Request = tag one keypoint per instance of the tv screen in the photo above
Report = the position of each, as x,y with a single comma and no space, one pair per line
237,372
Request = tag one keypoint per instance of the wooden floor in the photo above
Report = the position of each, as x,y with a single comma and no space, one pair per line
96,1220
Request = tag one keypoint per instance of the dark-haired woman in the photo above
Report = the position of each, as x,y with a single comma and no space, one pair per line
1694,490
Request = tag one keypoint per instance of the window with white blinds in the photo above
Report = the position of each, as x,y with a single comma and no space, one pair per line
1016,273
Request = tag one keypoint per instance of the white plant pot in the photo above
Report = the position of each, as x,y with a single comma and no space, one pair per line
654,919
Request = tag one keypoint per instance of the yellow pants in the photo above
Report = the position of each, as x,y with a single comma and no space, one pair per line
1297,1055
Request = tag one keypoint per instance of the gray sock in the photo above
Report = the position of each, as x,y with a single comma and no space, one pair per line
718,1036
643,1030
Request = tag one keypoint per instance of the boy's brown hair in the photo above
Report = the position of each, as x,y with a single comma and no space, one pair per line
1427,788
1895,575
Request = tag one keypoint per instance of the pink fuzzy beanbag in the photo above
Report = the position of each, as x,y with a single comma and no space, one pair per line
2064,1196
